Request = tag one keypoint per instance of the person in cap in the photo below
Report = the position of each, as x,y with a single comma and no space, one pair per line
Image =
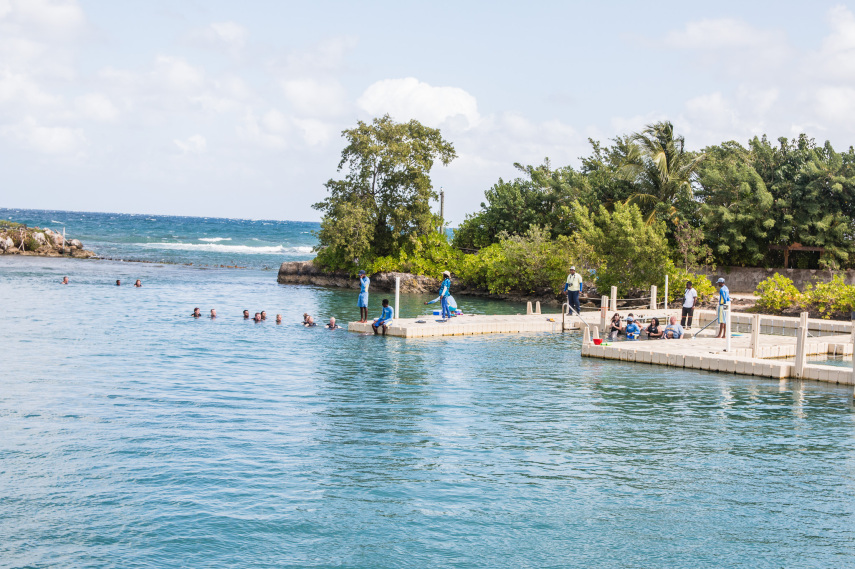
444,293
723,305
385,319
362,300
573,287
632,330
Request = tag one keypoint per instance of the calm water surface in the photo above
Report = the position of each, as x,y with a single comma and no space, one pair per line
135,436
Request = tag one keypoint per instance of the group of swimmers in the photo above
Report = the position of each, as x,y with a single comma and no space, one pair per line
632,331
137,284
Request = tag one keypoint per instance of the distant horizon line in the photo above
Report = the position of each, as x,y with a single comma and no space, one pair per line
152,214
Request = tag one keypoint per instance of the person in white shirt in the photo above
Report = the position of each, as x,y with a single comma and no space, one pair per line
690,297
573,287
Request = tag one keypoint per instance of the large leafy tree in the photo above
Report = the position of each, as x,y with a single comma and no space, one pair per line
383,202
662,170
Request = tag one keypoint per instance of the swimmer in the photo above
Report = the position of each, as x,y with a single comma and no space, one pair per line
309,322
305,317
246,314
257,317
138,284
118,282
332,325
213,313
279,319
263,315
196,313
64,280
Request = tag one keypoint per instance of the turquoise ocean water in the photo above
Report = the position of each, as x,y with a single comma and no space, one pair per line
134,436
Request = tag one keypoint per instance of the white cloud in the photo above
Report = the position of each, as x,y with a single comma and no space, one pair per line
724,33
176,74
410,98
196,144
46,139
227,36
315,97
96,106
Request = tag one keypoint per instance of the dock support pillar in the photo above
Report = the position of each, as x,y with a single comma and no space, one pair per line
665,300
604,308
755,334
801,341
727,333
614,299
537,307
528,309
397,297
595,333
653,292
586,336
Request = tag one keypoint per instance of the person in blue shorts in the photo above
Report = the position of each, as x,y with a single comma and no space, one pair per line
632,330
723,305
362,301
444,293
385,317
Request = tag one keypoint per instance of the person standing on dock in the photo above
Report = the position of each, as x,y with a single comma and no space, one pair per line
723,305
690,297
362,301
573,287
444,293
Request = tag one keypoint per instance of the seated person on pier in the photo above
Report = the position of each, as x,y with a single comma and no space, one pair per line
632,330
673,331
614,327
653,330
385,317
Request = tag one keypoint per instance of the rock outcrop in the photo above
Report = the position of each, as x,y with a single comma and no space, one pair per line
18,239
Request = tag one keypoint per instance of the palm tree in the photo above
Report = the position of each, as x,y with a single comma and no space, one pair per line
658,165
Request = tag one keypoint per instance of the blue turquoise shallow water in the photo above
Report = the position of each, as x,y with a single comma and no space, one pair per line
136,436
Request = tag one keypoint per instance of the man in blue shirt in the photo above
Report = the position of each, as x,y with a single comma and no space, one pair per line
444,293
632,330
362,300
723,305
385,317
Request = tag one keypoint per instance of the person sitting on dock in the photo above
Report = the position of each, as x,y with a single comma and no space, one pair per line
653,331
614,327
673,331
723,306
573,288
332,325
385,317
632,330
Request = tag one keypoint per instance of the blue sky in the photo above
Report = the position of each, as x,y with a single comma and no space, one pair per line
235,109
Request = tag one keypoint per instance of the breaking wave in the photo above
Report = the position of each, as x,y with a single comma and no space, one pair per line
218,248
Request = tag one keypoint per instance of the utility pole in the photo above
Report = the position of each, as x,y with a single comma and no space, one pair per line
441,209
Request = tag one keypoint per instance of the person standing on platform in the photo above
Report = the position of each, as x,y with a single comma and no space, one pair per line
362,301
444,293
690,297
573,287
723,306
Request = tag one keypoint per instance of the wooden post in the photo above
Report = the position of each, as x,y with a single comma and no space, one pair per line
755,334
665,300
604,308
801,341
614,299
653,292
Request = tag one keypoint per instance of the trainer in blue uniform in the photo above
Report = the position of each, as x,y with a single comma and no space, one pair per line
573,287
362,301
444,293
723,305
385,317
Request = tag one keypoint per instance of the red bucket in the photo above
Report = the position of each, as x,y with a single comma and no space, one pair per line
597,341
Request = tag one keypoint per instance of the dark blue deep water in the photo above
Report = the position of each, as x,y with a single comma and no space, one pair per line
134,436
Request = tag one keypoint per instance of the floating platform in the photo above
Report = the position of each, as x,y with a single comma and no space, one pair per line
470,324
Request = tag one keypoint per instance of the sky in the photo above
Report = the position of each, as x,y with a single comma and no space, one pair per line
235,109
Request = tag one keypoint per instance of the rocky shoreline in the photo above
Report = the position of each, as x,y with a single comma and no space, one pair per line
18,239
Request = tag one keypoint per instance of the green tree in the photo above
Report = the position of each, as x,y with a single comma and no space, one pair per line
632,253
383,202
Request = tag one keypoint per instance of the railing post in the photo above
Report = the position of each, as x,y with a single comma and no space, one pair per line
653,292
586,336
528,309
595,333
755,334
801,341
604,307
614,299
537,307
397,297
665,300
727,333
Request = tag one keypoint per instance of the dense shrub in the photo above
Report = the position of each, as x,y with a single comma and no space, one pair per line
829,298
776,293
677,278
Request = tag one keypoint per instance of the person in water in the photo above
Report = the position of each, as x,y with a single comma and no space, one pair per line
213,313
196,313
138,284
305,317
309,322
332,325
444,293
362,299
263,315
118,282
64,280
257,317
279,319
385,318
246,314
653,331
615,327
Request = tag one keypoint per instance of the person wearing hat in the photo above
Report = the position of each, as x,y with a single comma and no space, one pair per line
723,304
362,300
632,330
573,287
444,293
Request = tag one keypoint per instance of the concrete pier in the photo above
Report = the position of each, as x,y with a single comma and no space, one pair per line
470,324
